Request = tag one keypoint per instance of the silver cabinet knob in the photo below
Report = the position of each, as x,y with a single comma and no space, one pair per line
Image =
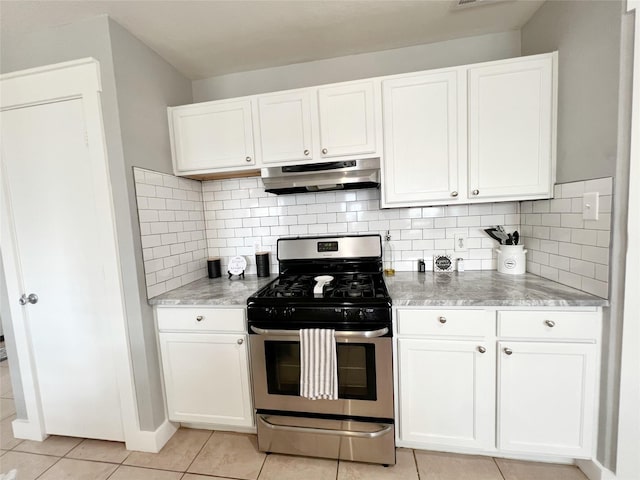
32,299
508,351
306,153
248,159
442,319
454,194
476,192
240,341
550,323
481,349
199,318
325,151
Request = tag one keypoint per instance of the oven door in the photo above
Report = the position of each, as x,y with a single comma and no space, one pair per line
365,373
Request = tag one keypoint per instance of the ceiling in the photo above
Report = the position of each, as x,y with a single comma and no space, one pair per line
211,37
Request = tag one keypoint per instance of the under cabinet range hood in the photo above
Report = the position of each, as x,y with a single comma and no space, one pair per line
320,177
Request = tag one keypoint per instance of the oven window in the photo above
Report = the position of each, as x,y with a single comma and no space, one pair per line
356,369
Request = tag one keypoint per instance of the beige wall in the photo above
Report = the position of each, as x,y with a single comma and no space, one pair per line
587,37
145,86
409,59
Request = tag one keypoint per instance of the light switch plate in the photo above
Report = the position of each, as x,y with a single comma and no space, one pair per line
590,205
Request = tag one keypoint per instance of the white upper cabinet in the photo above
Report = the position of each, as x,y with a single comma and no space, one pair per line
421,145
474,133
348,119
512,128
285,127
212,136
316,124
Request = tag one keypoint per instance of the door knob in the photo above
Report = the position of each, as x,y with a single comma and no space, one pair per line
476,192
306,153
325,151
32,299
248,159
508,351
481,349
240,341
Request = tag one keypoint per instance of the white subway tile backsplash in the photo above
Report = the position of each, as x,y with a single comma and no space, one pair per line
564,247
172,223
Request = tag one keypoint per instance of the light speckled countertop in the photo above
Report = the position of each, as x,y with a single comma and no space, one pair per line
484,288
472,288
215,291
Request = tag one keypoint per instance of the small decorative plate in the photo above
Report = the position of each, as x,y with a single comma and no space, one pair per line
442,263
237,266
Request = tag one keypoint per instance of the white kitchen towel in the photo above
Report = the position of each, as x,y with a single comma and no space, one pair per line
318,364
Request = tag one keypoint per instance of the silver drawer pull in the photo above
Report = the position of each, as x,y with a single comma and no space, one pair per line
325,431
240,341
199,318
442,319
550,323
481,349
508,351
291,333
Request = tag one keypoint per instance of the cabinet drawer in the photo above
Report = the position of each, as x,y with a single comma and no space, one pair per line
202,319
549,325
458,323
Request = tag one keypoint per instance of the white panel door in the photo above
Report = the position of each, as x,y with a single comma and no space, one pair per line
446,390
211,136
347,119
59,232
511,109
285,127
546,398
206,378
420,116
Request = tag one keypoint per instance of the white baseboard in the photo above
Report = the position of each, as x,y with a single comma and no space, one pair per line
26,430
151,441
594,470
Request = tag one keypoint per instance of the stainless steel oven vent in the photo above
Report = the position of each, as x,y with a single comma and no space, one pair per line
318,177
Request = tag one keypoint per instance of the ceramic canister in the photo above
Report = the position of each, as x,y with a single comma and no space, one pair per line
512,259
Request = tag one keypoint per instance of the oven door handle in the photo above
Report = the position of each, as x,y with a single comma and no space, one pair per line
338,334
325,431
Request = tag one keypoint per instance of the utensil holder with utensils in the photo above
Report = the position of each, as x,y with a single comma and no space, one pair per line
512,259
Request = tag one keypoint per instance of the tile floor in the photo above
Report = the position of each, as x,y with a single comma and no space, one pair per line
205,455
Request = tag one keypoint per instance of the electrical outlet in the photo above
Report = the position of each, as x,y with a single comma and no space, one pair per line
590,206
460,242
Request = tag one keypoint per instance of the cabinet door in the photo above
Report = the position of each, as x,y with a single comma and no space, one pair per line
420,115
206,378
511,123
446,391
212,136
347,120
285,127
546,395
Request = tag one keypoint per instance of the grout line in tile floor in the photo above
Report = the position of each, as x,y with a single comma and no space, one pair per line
415,462
499,469
199,451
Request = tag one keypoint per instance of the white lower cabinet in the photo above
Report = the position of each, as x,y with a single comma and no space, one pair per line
446,392
205,367
524,385
546,398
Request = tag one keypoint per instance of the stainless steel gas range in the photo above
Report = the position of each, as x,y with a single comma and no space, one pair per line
351,298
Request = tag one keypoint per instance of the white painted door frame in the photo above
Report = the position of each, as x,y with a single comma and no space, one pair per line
80,80
628,461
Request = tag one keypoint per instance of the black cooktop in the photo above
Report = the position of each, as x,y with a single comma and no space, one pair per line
343,285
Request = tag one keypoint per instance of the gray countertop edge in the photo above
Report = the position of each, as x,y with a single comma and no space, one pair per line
407,289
